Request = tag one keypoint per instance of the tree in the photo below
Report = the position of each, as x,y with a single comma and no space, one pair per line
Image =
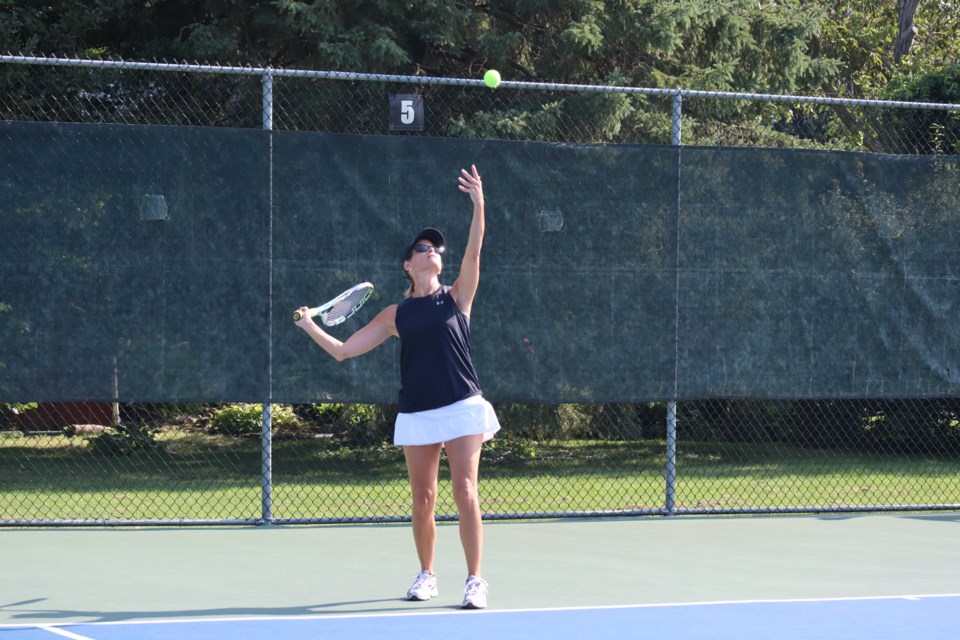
906,10
928,131
881,46
735,45
877,41
852,48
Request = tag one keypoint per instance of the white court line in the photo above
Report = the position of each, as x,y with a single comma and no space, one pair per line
54,628
62,632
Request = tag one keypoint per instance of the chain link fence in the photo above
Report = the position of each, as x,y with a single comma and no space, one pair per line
105,461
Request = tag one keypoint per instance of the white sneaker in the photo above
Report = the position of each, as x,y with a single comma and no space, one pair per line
475,593
424,587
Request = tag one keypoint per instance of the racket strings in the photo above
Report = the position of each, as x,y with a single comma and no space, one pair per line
347,306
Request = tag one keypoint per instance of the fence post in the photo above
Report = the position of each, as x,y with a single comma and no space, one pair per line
266,464
670,473
676,118
266,452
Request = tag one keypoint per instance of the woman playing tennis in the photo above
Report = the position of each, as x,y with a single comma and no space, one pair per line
441,404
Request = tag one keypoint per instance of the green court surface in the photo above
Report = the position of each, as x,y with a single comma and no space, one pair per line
61,575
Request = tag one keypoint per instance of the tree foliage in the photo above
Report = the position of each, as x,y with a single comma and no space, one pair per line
708,44
742,45
863,35
852,48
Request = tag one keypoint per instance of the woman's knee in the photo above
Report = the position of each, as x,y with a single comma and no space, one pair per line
424,497
465,493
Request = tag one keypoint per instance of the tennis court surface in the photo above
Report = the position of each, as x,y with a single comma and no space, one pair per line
871,576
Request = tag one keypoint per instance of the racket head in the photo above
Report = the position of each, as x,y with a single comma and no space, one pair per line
345,305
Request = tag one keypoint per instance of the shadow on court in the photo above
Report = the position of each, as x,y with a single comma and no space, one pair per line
32,614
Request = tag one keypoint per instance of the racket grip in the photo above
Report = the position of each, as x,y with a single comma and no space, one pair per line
309,313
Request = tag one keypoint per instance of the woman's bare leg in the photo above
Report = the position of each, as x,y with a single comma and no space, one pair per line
422,465
464,457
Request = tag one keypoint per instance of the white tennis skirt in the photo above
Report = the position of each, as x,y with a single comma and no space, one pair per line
468,417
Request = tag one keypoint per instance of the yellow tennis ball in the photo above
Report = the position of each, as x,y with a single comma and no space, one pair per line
492,78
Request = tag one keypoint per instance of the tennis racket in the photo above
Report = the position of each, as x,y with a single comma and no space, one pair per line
340,308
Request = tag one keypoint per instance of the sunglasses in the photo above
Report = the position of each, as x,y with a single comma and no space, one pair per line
423,248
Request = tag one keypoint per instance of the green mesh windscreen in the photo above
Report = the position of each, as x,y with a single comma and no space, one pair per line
818,274
98,289
137,263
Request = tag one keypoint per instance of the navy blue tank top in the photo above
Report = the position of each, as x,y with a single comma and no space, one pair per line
435,364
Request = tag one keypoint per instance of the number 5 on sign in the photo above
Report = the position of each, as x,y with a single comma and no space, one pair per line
406,112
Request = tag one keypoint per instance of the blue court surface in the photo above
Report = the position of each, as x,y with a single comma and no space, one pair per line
900,618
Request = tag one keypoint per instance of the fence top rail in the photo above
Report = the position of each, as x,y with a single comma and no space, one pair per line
465,82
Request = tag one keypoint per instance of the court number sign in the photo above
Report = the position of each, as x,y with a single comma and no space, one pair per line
406,112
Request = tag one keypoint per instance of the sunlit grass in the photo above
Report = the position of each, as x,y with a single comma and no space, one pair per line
193,476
